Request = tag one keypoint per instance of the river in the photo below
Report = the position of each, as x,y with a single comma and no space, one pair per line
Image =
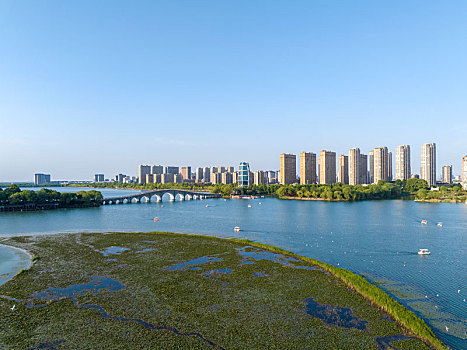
377,239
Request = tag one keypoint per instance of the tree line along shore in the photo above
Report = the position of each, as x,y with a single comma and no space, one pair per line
13,198
417,189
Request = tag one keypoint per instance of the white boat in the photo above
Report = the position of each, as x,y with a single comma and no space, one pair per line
237,229
424,252
249,205
440,224
424,222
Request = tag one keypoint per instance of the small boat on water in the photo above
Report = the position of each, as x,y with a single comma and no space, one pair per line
424,252
207,206
439,224
249,205
156,219
424,222
237,229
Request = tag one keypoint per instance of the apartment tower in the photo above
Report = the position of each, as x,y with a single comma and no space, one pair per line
447,174
363,168
371,167
288,169
186,172
260,178
389,169
143,170
464,172
380,164
327,167
354,166
157,169
307,168
428,163
343,176
403,170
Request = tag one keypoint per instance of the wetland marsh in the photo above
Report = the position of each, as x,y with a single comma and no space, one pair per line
160,290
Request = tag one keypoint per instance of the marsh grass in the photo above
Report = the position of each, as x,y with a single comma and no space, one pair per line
235,310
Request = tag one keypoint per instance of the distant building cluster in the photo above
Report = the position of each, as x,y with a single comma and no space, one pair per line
212,175
355,168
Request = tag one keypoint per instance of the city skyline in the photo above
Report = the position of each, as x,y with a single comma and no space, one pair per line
158,82
392,168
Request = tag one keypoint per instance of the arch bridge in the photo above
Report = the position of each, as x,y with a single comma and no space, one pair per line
173,195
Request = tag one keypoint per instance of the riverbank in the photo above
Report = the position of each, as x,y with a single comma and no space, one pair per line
192,291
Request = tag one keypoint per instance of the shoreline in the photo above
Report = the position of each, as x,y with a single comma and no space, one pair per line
402,315
26,258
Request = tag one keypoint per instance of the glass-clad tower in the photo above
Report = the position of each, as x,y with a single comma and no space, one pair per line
244,174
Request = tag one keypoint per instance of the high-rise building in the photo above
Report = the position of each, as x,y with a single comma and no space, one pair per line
244,174
206,174
230,169
157,178
403,170
343,176
389,174
260,178
380,164
157,169
119,178
97,178
354,166
199,174
227,178
363,168
178,178
464,172
186,172
172,170
143,170
216,178
447,174
307,168
149,178
327,167
288,169
167,178
371,167
235,177
272,176
40,179
428,163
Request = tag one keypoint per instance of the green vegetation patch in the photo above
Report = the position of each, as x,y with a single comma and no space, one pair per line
163,290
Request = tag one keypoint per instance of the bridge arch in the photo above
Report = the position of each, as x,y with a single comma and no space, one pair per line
156,198
179,196
168,194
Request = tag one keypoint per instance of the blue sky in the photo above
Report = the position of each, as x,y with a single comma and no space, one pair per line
102,86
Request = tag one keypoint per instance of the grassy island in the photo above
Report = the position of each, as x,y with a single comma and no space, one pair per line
173,291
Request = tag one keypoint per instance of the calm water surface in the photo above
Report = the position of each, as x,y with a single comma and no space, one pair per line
378,239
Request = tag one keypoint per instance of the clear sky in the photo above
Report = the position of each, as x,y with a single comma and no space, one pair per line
103,86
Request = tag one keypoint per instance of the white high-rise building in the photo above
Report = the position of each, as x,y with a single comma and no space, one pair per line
403,170
354,166
447,174
428,166
380,164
